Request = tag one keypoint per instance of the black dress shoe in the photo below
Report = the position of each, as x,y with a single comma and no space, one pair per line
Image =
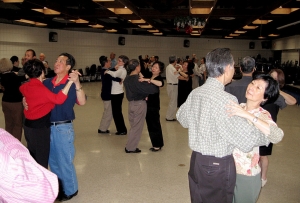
156,149
137,150
170,119
100,131
65,197
121,133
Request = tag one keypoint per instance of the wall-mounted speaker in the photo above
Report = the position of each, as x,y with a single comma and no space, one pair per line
266,45
251,45
53,37
186,43
121,41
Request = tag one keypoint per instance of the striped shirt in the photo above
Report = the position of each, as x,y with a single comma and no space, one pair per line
211,130
22,179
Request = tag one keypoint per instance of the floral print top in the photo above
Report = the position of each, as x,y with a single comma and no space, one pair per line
247,163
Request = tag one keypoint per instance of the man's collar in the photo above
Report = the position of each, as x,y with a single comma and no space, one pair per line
63,81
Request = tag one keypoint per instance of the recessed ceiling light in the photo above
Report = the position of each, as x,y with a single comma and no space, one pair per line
227,18
228,37
194,34
234,35
158,33
261,37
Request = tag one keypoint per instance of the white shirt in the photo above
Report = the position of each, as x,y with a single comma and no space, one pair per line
117,88
170,74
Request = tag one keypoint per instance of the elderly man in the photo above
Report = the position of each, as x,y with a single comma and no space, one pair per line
113,60
213,134
136,93
238,87
42,59
62,150
172,88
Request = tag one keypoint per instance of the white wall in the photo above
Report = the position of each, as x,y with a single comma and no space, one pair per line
87,47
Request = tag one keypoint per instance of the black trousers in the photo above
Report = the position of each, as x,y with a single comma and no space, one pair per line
116,106
154,127
38,144
211,179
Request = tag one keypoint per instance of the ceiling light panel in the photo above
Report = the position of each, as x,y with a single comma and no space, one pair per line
261,22
12,1
200,10
284,11
247,27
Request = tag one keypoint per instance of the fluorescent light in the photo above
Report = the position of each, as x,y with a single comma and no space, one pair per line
138,21
153,30
145,26
260,22
96,26
273,35
120,10
80,21
228,37
288,25
234,35
158,33
12,1
261,37
112,30
194,34
31,22
249,27
227,18
240,32
200,10
46,11
284,10
196,26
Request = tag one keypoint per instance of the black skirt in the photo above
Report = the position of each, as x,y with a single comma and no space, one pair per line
264,151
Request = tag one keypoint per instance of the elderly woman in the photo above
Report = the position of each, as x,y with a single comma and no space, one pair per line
153,107
40,101
12,98
262,89
283,100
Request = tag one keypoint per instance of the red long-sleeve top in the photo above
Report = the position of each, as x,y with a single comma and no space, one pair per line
39,98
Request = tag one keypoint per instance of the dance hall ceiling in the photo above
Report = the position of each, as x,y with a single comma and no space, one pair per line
239,19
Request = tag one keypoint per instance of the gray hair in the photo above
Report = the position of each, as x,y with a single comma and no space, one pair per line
172,59
247,64
217,60
5,65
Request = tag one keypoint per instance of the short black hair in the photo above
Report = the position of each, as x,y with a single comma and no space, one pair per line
33,52
14,59
161,65
70,61
272,89
34,68
102,60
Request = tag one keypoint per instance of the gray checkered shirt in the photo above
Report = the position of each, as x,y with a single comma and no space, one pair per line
211,130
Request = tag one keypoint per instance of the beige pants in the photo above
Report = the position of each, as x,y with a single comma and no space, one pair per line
106,117
172,91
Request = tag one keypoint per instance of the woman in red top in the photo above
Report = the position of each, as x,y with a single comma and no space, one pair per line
40,102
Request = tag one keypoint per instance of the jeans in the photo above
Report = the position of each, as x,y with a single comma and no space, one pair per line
62,152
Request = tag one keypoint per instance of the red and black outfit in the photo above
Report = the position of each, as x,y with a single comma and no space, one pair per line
40,102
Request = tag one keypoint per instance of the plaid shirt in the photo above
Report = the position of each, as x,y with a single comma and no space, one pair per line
211,130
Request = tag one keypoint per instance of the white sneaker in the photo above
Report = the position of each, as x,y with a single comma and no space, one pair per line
263,182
